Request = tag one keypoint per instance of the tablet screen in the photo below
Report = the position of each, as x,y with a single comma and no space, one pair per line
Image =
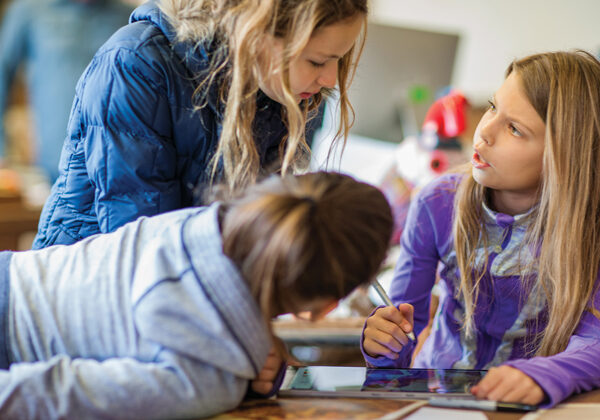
439,381
337,378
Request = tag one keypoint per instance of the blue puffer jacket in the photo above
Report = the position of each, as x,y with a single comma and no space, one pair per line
134,145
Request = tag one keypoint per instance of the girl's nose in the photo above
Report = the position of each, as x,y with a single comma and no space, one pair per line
328,77
486,132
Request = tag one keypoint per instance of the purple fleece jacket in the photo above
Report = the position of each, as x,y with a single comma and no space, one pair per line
505,316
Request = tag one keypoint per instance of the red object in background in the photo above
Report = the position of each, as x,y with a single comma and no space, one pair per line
447,116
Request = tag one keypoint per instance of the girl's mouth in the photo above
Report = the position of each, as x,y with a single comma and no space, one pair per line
478,162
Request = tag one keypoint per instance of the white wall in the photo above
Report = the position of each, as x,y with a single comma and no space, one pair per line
495,32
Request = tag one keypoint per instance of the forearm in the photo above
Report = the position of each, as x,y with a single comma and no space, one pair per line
575,370
116,388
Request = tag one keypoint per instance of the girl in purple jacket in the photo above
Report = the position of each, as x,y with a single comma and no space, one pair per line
516,242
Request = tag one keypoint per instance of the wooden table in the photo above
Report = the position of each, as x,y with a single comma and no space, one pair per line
340,333
16,218
349,408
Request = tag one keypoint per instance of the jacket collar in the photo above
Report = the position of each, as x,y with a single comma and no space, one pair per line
224,285
504,220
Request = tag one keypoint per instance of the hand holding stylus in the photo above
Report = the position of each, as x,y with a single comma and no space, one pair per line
386,299
389,329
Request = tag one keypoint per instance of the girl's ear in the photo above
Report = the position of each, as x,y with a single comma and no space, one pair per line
317,314
326,309
317,310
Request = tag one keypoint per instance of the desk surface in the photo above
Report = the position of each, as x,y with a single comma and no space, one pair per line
348,408
16,218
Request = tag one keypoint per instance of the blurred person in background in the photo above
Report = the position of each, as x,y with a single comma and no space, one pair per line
55,40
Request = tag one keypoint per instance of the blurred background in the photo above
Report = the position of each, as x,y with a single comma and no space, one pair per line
416,50
415,53
45,46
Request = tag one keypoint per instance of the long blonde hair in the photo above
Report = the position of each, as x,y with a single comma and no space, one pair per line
564,89
236,29
306,237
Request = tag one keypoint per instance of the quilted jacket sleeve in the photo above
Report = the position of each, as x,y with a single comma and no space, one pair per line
126,124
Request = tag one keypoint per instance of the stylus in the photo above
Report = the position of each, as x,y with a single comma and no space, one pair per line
386,299
479,404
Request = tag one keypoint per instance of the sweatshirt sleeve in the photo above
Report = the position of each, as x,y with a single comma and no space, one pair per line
576,369
118,388
130,156
414,273
13,49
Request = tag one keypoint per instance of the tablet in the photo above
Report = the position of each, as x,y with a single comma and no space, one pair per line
344,381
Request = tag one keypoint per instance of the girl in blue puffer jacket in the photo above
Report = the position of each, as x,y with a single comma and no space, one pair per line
195,92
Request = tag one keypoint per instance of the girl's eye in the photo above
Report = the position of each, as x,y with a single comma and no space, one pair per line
315,64
514,131
492,106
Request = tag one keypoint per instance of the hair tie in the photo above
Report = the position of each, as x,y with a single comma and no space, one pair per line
312,203
309,200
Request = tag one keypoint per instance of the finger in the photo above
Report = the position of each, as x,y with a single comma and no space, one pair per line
387,334
268,370
508,380
266,375
379,330
374,349
525,391
273,360
393,337
487,384
391,321
262,387
271,367
407,311
392,314
384,339
499,392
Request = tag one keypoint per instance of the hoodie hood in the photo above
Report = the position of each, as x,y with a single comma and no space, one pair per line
185,17
194,55
149,11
